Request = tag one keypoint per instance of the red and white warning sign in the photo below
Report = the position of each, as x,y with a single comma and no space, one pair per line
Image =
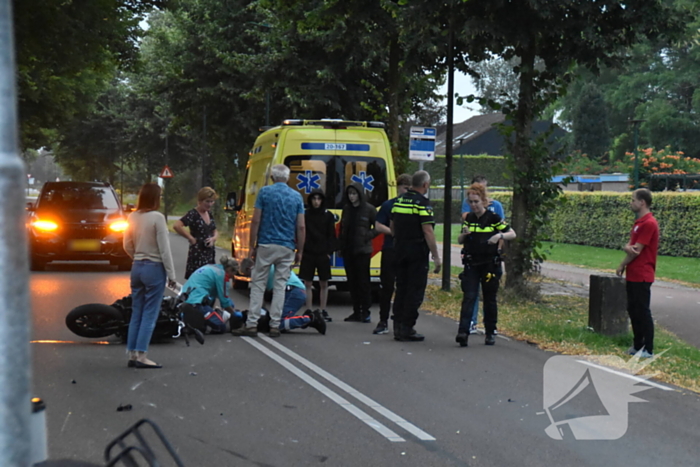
166,172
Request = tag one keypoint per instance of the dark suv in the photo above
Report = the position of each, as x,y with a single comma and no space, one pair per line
81,221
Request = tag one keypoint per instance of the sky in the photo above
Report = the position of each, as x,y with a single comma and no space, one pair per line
463,86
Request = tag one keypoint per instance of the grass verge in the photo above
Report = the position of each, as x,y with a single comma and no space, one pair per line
559,323
668,268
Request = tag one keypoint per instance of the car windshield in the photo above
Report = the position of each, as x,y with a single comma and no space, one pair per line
76,197
333,173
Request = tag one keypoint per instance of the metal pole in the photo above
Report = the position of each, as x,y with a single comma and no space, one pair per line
165,180
447,222
267,108
461,174
15,364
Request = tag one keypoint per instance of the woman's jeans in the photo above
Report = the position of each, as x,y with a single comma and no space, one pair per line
147,287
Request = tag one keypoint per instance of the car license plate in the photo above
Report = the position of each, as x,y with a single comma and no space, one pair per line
85,245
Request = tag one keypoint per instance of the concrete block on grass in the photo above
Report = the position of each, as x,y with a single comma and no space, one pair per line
607,305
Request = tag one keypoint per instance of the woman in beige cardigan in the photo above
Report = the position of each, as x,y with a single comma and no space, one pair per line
146,241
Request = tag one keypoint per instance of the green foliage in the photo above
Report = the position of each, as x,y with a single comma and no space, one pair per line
659,82
494,168
590,123
621,145
439,211
67,52
355,60
580,164
603,219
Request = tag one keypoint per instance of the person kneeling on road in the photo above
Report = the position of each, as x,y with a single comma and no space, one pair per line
205,286
294,299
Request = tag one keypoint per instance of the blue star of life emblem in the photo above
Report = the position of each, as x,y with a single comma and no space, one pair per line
364,179
308,181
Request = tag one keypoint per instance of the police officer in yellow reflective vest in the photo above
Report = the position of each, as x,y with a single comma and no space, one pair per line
412,226
481,232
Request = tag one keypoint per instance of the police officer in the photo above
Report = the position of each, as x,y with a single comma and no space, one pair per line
412,227
482,232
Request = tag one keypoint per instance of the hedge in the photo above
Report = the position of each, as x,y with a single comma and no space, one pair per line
492,167
604,219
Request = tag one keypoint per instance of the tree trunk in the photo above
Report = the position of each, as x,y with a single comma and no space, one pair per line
518,259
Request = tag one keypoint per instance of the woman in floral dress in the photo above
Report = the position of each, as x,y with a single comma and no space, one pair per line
202,231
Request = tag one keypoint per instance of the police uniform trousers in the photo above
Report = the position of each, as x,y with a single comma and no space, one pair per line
488,276
411,265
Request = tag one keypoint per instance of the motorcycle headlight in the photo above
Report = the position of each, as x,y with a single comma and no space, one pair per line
44,226
118,226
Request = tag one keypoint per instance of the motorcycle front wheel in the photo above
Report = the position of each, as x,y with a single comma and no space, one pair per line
94,320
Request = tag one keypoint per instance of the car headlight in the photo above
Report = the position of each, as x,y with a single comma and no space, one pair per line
118,226
45,226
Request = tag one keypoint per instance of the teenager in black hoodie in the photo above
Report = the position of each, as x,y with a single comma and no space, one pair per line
356,234
318,248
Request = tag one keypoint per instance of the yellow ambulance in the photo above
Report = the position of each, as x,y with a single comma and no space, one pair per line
326,154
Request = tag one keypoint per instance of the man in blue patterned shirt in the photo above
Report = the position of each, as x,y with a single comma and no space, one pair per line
277,229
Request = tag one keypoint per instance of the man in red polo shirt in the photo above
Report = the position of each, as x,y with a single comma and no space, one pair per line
640,263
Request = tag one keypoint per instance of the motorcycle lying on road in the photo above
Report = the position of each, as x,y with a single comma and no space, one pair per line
176,318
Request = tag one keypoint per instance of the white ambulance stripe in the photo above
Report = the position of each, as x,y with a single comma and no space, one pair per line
335,397
406,425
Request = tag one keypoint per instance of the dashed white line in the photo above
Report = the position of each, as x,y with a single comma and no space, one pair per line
335,397
406,425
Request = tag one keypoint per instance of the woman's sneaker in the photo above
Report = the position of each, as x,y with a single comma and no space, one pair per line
326,317
381,328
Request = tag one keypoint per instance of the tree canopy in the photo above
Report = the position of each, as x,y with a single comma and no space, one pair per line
67,52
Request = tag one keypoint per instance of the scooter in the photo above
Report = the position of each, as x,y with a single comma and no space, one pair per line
96,320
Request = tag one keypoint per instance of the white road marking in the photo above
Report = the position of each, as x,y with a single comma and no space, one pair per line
335,397
65,422
626,375
414,430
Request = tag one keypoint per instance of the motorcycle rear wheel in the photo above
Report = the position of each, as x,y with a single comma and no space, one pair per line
94,320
